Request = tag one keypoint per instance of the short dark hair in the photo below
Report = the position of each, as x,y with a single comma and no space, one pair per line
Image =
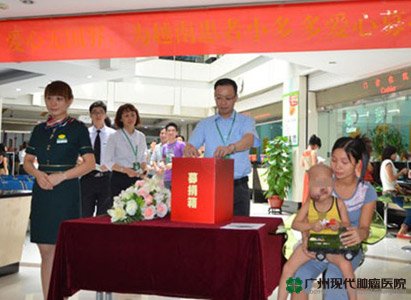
388,151
181,136
58,88
107,121
172,124
124,108
226,81
98,104
315,140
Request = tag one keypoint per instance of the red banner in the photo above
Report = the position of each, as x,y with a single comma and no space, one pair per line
274,28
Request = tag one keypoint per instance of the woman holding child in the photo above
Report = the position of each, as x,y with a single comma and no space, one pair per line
359,198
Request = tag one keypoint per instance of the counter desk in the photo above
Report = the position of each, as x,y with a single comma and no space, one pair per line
14,218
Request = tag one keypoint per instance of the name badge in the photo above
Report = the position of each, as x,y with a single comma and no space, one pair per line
61,139
136,166
169,157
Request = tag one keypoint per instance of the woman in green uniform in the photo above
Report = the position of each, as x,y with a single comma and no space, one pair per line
56,144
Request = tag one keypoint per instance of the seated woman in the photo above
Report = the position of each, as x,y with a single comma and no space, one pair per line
389,175
4,164
360,199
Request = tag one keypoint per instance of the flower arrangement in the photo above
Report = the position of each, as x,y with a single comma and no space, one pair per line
144,200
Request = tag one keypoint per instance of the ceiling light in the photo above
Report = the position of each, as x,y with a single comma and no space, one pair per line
18,89
89,76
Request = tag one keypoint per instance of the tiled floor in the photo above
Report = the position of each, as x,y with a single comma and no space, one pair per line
384,260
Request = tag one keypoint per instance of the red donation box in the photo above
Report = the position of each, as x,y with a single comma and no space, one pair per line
202,190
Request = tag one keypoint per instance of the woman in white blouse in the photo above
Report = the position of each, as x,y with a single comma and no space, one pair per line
126,149
389,175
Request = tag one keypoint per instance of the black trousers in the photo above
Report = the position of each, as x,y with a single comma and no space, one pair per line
119,182
95,192
241,197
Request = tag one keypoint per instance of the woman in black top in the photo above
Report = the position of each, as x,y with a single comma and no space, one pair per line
56,144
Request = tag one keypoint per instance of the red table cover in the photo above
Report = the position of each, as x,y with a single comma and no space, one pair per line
167,258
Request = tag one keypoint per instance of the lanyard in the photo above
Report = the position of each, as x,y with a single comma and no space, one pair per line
229,132
135,150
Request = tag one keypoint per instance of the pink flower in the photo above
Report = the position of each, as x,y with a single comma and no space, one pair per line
140,183
162,209
149,212
148,199
143,193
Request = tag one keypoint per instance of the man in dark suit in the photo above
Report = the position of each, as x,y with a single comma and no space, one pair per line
95,186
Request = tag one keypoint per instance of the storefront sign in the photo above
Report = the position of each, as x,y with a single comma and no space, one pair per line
386,83
389,82
273,28
290,117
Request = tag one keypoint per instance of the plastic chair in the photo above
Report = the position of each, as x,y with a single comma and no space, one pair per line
291,240
386,200
9,185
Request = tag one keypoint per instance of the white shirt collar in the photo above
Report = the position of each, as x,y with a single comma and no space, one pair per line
94,129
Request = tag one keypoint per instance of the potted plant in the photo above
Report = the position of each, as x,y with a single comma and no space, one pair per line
278,160
383,135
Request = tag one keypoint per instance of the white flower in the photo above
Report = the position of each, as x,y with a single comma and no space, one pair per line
118,202
131,208
159,197
136,189
140,197
117,214
126,195
151,185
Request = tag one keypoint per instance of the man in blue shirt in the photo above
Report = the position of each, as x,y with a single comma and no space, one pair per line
228,133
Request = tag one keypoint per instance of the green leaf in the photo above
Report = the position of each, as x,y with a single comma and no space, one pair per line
278,161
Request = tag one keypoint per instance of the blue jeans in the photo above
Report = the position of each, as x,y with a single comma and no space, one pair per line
313,268
400,202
